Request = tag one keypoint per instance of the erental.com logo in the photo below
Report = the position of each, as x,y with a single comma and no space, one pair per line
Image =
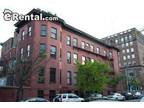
8,15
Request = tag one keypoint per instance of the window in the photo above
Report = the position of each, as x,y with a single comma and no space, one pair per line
92,48
127,44
68,40
104,53
42,48
127,50
128,56
130,37
68,57
41,75
122,39
88,59
83,59
52,75
98,50
131,74
53,51
75,42
116,41
21,53
125,63
123,45
133,55
129,63
23,35
28,50
133,62
131,43
29,31
87,45
126,38
75,58
123,51
82,45
64,96
53,33
132,49
124,57
69,78
74,78
40,93
72,96
43,31
110,55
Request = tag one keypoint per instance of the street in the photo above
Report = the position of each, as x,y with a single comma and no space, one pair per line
134,100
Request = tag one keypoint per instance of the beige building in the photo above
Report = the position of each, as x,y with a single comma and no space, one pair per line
131,56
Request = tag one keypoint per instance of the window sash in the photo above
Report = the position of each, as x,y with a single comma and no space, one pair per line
75,42
42,48
68,40
83,45
53,33
52,75
69,77
53,51
29,30
75,58
43,31
68,57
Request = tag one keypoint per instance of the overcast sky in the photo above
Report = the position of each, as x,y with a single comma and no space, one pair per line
99,18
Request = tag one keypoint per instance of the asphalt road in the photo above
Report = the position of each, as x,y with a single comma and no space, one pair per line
134,100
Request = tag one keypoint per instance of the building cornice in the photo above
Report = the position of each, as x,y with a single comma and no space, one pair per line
66,26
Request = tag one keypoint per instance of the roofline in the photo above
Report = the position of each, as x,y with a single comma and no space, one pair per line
65,25
123,32
8,40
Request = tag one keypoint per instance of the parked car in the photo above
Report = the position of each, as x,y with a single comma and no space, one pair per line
67,97
128,95
103,100
138,95
116,96
94,96
142,99
36,99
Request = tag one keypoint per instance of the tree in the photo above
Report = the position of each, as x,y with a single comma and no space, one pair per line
115,80
141,79
135,83
92,76
23,70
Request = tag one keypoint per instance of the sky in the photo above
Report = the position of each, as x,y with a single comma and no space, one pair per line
100,18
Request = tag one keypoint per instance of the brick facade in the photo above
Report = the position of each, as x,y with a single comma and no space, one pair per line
60,62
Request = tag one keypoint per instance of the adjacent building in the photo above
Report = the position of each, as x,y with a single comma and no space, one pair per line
8,55
63,45
131,55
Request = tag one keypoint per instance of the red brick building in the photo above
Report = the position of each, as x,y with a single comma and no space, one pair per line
63,45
